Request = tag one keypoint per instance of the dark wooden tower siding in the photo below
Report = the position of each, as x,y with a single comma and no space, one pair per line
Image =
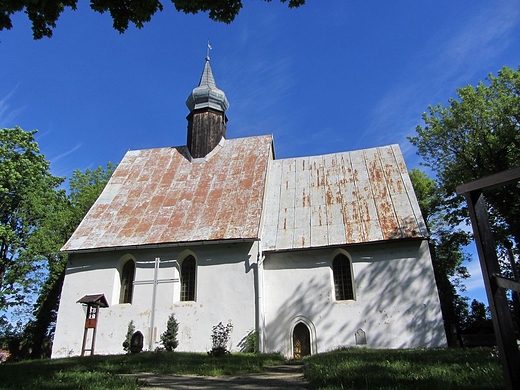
206,127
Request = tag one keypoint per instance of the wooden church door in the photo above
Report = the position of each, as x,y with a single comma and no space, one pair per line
301,341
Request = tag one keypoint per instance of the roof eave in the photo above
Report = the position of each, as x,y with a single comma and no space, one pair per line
393,240
160,245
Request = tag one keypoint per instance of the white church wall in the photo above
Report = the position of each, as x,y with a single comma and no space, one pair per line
225,292
82,277
396,301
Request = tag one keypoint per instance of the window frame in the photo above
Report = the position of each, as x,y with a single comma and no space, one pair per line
343,277
126,289
188,288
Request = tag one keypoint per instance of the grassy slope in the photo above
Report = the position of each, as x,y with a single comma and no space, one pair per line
443,369
101,372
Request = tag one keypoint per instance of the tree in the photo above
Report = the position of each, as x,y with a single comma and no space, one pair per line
29,195
55,230
44,13
128,338
169,337
447,248
476,135
479,320
36,218
84,189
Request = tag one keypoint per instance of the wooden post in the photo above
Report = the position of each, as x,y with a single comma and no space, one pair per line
85,333
90,323
94,329
500,314
495,284
93,303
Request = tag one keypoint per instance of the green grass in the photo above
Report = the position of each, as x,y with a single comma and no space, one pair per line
104,372
424,369
443,369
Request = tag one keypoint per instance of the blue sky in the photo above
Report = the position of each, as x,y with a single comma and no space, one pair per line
330,76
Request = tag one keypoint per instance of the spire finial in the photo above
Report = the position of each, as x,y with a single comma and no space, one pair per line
207,51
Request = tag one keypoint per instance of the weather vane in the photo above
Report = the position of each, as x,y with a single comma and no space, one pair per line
207,51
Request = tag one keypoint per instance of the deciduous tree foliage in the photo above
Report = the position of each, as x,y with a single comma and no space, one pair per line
44,13
478,320
29,196
84,189
36,218
476,135
447,248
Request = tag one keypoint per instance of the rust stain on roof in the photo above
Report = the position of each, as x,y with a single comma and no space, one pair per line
157,196
342,198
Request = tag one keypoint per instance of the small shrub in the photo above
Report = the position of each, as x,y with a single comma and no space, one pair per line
169,337
129,333
219,339
251,344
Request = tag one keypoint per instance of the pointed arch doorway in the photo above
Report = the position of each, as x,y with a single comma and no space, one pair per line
301,341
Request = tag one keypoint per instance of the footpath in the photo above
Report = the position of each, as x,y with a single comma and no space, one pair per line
275,377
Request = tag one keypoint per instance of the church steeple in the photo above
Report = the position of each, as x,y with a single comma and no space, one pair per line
207,119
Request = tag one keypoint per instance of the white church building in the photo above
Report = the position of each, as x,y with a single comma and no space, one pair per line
309,254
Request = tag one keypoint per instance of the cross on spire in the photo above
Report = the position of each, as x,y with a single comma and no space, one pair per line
207,51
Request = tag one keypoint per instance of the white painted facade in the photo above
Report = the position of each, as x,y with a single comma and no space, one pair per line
225,292
264,234
396,302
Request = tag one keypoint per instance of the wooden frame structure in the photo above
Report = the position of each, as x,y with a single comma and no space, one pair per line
93,303
496,285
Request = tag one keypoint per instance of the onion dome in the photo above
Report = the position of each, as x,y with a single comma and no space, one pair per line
207,94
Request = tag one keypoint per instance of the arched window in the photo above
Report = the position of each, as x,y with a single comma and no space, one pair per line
127,282
188,269
343,285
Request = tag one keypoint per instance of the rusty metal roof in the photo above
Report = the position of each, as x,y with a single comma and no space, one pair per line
342,198
158,196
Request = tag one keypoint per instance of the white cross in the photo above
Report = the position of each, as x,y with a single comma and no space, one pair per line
155,282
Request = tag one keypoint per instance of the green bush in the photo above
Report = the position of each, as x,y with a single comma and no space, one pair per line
219,339
251,344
